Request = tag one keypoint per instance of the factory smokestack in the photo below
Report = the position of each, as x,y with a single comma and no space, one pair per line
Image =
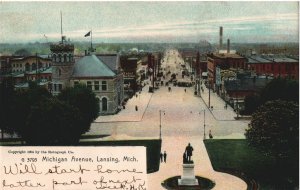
228,46
221,37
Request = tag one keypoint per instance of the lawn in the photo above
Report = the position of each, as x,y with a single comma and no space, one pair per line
237,158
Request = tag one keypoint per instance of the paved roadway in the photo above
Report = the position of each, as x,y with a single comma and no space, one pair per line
182,123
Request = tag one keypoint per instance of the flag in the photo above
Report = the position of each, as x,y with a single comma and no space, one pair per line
87,34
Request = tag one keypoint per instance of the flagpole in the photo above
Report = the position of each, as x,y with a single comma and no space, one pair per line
91,41
61,31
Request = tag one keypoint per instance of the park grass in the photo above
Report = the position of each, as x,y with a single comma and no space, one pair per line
238,158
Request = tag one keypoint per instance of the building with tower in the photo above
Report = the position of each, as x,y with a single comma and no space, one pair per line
62,55
99,73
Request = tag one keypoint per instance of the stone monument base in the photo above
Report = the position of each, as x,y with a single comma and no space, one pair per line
188,176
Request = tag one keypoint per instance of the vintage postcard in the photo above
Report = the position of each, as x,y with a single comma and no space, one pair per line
137,95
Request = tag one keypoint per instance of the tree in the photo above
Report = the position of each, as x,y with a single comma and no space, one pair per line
252,102
6,98
20,106
283,89
52,122
274,129
84,100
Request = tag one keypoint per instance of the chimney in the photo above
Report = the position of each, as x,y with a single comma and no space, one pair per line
228,46
221,37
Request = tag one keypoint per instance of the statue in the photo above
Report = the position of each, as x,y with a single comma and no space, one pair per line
189,152
184,158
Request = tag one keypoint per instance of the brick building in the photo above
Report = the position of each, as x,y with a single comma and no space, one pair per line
223,61
275,66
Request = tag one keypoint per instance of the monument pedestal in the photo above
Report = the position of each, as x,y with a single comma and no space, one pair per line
188,176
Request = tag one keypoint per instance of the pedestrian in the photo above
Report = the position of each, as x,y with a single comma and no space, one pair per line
210,135
184,90
136,108
226,106
165,157
212,108
161,157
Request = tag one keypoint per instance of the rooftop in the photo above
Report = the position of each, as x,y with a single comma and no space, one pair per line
269,59
91,66
246,84
226,55
111,60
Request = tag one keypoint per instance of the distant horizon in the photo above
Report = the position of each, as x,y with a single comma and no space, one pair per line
150,21
83,42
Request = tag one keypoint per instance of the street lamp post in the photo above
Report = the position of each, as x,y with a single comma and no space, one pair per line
204,135
160,111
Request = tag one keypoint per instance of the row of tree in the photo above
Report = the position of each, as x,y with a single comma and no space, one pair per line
274,128
42,119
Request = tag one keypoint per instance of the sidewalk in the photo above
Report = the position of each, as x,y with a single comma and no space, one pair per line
129,114
219,112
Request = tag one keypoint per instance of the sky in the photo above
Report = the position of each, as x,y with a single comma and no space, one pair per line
150,21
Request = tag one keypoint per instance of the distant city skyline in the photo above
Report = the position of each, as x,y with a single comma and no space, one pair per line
150,21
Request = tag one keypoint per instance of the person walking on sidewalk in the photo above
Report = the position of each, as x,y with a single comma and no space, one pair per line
165,157
161,157
210,135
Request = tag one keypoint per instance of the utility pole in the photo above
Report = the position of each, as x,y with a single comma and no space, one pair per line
160,111
209,94
204,135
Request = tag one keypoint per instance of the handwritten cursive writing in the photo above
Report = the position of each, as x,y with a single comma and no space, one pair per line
101,170
21,169
25,183
59,170
68,183
132,184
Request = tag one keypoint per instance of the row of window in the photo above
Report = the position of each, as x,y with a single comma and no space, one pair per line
64,58
55,87
32,65
95,85
271,66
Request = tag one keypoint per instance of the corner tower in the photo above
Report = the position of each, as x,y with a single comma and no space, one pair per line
62,54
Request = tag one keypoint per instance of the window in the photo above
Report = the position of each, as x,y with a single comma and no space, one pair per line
33,66
65,58
103,85
104,104
59,57
59,87
76,83
96,85
89,85
27,67
70,57
54,87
